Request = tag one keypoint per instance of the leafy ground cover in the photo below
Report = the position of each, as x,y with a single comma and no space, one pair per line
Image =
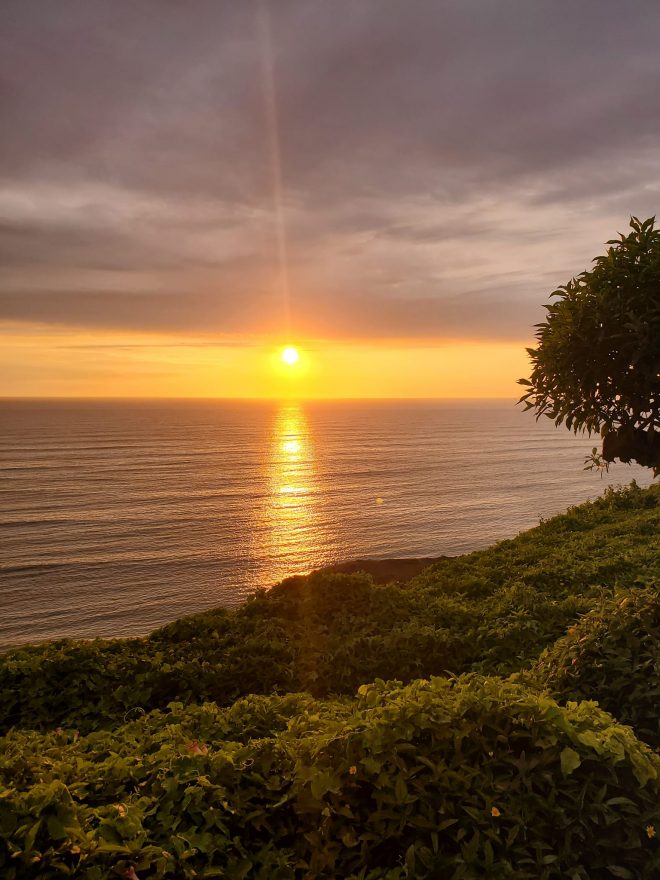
459,778
612,655
234,745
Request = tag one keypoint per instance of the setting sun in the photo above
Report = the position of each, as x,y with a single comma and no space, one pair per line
290,355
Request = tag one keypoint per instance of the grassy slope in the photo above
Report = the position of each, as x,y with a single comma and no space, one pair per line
461,780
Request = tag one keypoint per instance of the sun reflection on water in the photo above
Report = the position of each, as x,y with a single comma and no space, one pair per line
294,534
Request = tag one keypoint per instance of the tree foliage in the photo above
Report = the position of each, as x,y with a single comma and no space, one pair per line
597,363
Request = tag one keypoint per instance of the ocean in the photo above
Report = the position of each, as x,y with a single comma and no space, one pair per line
119,516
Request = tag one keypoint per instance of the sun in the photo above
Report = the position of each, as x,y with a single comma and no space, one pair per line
290,355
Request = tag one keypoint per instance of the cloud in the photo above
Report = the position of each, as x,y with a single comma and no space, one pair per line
444,165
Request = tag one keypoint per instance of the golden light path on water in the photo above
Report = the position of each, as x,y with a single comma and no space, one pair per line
295,534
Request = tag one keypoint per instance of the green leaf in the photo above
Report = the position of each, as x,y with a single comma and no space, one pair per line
620,871
55,828
324,782
570,761
400,790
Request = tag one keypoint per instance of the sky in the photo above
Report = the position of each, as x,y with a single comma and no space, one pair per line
395,188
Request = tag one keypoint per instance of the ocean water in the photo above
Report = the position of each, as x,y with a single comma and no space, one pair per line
116,517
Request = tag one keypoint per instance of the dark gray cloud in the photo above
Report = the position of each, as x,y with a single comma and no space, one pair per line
444,164
158,312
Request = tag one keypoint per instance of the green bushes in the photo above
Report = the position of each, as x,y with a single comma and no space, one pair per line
481,779
94,684
612,656
466,779
119,755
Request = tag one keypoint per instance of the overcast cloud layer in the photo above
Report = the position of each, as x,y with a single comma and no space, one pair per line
445,165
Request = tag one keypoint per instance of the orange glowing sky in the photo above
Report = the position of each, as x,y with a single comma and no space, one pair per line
395,190
76,364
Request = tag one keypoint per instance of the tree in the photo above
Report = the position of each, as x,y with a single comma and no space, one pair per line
596,367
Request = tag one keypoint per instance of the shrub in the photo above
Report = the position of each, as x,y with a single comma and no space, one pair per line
612,656
464,779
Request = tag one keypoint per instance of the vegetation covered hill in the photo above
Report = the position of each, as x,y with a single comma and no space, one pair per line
336,728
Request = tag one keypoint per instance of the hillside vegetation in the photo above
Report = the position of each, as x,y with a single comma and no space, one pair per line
335,728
